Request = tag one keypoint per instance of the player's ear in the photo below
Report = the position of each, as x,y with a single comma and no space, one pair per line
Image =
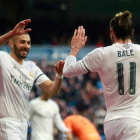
11,44
132,31
112,31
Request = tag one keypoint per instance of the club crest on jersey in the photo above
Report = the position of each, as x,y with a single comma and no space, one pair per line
30,74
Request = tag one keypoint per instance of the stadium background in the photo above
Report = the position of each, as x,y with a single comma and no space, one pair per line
53,24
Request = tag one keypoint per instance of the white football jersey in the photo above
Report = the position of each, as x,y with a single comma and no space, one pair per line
43,114
16,82
119,70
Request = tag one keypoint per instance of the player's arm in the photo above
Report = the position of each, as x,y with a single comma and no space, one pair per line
78,41
60,124
30,109
69,136
91,62
53,87
18,30
71,67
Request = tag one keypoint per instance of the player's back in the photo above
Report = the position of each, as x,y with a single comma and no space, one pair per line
82,127
120,76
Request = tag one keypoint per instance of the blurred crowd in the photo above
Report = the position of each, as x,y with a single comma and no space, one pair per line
83,93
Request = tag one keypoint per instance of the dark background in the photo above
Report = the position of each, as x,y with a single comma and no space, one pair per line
57,19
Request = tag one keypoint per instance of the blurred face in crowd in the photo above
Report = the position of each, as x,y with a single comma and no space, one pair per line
20,46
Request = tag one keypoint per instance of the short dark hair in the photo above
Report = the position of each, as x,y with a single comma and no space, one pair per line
13,38
122,25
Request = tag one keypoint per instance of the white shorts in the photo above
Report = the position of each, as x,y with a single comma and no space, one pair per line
13,129
122,129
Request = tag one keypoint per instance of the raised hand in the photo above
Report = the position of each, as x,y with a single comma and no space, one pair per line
19,28
79,39
59,67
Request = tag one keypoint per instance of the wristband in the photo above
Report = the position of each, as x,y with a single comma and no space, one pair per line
59,76
76,47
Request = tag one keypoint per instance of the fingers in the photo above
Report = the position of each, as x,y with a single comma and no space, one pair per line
83,33
85,39
27,30
55,67
25,22
75,32
80,32
19,28
61,63
80,28
59,67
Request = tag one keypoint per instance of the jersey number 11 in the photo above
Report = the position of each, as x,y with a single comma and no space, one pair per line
132,78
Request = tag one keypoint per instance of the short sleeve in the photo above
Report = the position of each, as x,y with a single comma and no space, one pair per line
92,61
40,77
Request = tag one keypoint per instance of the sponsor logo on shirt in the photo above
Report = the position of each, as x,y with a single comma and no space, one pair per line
22,83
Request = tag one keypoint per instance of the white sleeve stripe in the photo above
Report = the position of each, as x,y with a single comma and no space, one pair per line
85,66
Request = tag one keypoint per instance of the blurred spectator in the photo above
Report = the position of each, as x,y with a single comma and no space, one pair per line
99,119
55,41
62,40
100,42
63,108
91,114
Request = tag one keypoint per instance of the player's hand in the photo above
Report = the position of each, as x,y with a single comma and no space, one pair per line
19,28
79,39
59,67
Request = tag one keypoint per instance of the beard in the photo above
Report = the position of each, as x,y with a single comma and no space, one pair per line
18,53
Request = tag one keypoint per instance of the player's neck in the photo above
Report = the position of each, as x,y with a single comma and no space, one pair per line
43,97
122,42
20,61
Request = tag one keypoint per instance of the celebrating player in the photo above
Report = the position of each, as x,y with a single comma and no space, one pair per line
119,70
16,80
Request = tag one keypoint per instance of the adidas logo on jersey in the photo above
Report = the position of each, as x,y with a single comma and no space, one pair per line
14,67
30,74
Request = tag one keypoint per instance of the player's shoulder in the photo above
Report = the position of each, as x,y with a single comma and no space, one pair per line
136,46
71,118
34,101
100,50
53,103
3,53
30,65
